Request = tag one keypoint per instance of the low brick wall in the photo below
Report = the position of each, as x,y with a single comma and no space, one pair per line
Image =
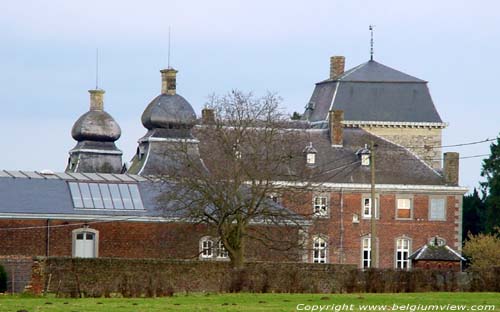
18,270
147,277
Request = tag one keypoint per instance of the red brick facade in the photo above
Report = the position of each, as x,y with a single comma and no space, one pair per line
345,235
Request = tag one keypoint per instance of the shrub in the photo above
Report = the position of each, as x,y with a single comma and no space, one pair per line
3,280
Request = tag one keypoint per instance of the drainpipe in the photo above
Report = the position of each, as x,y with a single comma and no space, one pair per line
341,253
47,239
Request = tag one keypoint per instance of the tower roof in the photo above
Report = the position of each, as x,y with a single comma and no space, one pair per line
96,124
373,92
169,110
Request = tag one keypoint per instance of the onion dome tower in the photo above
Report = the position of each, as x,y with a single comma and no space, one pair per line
96,132
169,119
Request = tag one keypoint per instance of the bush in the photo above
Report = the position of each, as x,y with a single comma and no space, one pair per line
3,280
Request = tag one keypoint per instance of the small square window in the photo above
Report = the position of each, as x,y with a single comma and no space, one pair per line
365,159
367,208
311,158
320,206
403,208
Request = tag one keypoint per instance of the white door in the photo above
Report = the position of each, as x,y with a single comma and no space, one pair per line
85,245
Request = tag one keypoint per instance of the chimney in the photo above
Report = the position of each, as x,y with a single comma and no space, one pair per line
336,117
96,100
207,116
168,81
337,65
450,169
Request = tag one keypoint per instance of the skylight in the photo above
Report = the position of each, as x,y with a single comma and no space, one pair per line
106,196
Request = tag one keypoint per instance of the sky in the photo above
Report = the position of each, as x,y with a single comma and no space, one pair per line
47,57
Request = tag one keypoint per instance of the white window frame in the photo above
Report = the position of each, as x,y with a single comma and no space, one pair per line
399,200
211,248
403,248
366,247
85,231
364,207
311,158
365,159
431,200
320,249
321,209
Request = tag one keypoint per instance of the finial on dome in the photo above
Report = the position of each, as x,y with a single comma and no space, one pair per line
96,100
168,81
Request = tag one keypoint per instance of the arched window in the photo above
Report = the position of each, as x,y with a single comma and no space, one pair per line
403,246
85,243
319,250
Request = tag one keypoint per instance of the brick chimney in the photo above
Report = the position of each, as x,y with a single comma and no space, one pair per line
207,116
337,65
168,81
450,169
335,118
96,100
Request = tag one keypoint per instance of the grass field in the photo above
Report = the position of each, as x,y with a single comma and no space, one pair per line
260,302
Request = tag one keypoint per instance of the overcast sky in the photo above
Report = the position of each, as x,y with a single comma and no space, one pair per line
47,58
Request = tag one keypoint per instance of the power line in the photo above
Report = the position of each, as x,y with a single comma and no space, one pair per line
62,225
428,147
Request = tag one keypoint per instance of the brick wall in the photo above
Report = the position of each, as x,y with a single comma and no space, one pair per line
18,270
129,240
344,236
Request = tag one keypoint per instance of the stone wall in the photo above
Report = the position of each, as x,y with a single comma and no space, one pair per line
18,270
421,141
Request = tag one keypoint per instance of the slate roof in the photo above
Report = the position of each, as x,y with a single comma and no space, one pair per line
48,195
436,253
168,111
373,92
395,164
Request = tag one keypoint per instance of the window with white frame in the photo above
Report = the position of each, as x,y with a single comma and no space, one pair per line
311,158
402,253
207,247
366,251
212,248
320,206
85,243
319,250
403,208
367,207
365,159
437,209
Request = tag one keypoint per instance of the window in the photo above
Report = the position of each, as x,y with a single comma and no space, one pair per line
437,241
402,253
105,196
403,208
366,252
207,246
211,248
320,206
275,198
437,209
319,250
367,208
311,158
365,159
85,243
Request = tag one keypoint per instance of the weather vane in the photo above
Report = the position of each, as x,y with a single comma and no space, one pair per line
371,27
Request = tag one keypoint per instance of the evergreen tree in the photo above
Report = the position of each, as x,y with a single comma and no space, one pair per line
491,171
473,210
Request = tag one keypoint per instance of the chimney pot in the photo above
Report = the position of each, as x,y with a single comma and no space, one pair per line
168,81
336,117
337,66
208,116
96,100
451,168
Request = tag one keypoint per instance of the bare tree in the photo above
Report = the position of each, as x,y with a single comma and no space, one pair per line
244,150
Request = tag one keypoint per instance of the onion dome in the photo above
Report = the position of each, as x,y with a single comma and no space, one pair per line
96,124
169,110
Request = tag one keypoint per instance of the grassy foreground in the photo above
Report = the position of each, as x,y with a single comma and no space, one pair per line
259,302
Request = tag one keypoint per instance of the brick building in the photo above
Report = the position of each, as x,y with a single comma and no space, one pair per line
101,208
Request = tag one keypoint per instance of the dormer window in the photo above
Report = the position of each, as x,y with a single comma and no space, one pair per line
310,152
364,155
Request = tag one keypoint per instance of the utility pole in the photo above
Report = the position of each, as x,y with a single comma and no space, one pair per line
373,226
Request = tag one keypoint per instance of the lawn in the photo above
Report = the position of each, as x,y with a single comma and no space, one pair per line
260,302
